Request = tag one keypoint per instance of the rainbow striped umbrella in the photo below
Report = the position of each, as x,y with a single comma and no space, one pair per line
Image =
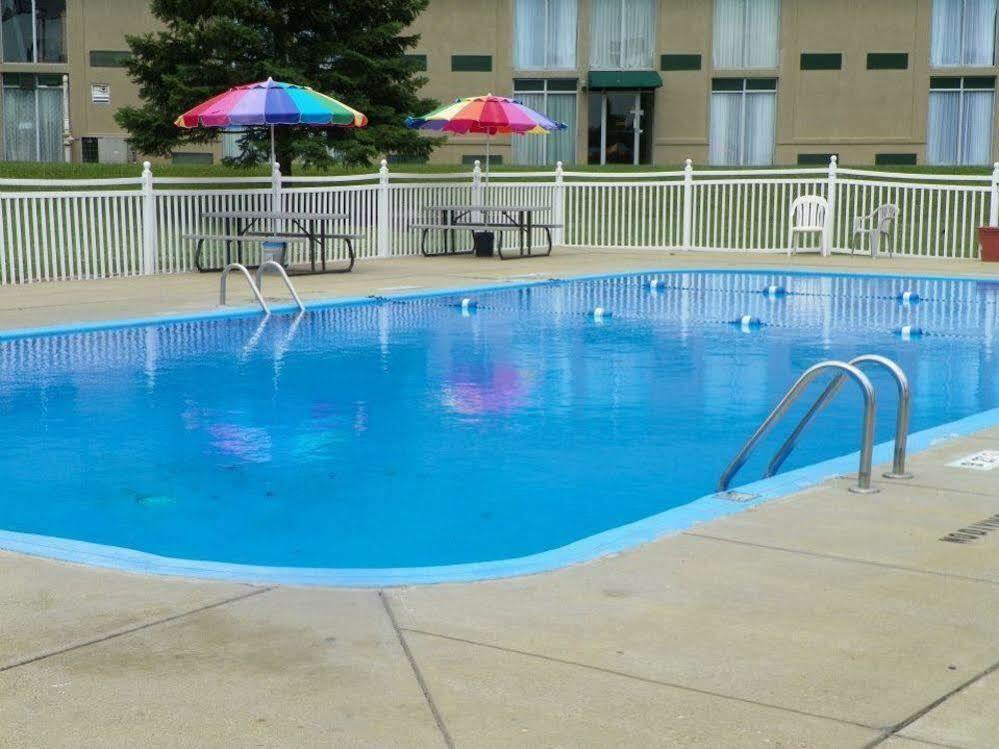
492,115
269,103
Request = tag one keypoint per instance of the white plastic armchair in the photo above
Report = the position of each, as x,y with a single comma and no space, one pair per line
878,223
808,216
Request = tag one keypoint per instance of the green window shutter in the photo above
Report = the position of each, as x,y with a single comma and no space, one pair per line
107,58
680,62
887,60
815,159
626,79
471,63
895,159
821,61
418,62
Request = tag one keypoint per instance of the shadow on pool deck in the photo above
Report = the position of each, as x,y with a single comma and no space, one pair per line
825,619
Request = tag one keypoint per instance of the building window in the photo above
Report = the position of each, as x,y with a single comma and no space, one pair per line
743,116
963,33
746,34
555,98
471,63
33,30
623,34
821,61
544,35
32,117
959,129
887,60
109,58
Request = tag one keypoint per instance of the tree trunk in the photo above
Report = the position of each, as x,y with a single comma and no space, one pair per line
283,150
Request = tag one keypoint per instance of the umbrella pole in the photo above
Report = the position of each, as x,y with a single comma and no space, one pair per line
273,156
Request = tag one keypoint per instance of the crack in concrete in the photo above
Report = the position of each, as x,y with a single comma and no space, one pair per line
838,558
644,679
130,630
438,719
923,711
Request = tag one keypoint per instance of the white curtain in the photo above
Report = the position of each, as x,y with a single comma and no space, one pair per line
529,20
548,149
976,127
979,32
762,33
727,37
562,143
50,123
963,32
746,33
17,34
724,142
562,34
622,34
19,125
943,124
605,41
758,138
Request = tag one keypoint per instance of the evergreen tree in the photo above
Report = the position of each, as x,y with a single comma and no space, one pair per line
353,50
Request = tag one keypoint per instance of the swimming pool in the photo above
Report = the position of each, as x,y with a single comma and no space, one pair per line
414,439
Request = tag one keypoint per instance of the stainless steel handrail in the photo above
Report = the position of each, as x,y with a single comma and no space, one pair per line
901,418
284,275
249,279
867,430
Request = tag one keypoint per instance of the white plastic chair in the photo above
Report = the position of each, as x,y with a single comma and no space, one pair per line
879,222
808,216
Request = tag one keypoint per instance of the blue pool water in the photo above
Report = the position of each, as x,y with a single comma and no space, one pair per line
406,433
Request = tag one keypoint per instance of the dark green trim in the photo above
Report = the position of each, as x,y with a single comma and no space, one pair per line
953,82
624,79
472,63
528,85
815,159
945,81
821,61
895,159
471,158
727,84
418,62
680,62
109,58
761,84
980,81
887,60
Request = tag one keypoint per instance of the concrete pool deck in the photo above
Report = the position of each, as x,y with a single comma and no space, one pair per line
824,619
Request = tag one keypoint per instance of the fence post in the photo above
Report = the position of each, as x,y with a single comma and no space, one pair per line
477,183
828,235
558,206
149,233
383,210
688,205
275,187
994,201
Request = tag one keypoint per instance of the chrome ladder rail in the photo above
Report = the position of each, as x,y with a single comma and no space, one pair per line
284,276
901,417
867,430
249,279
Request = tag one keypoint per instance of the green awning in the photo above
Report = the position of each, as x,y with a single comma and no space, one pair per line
605,79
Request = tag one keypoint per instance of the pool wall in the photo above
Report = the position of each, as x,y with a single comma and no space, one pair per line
612,541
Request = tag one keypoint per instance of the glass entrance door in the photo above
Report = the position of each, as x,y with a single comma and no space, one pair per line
620,127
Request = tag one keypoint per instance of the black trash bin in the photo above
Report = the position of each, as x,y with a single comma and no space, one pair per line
484,243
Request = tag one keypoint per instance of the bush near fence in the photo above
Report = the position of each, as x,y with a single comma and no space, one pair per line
53,229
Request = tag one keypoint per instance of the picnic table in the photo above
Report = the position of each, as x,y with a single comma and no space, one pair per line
518,218
245,226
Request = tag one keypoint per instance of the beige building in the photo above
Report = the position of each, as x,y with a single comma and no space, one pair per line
727,82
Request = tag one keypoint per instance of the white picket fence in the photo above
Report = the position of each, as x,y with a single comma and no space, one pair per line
81,229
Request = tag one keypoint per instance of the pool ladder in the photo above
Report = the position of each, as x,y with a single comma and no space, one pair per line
845,370
257,285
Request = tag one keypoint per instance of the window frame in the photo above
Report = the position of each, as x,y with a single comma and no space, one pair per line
545,92
744,91
547,65
939,84
34,42
37,81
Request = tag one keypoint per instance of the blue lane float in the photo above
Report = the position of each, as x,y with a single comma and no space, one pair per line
599,314
907,298
909,332
657,284
748,323
773,291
